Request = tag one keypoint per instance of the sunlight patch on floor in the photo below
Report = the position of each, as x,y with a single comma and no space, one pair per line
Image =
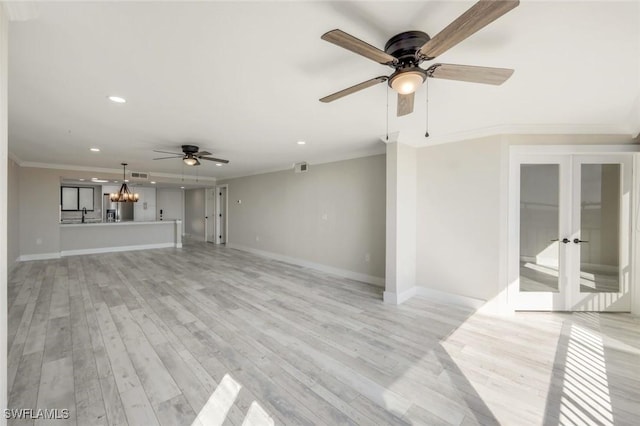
215,410
585,395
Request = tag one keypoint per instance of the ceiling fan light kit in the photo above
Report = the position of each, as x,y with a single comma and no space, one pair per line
405,52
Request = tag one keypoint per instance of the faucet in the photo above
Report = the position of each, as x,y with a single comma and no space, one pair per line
84,212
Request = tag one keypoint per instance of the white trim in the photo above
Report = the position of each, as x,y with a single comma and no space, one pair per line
534,129
312,265
517,150
398,298
435,295
65,253
128,223
106,170
41,256
452,298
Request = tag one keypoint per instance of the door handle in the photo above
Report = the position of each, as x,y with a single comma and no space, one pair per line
578,241
564,240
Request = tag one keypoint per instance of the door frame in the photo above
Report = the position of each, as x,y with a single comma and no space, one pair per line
224,209
209,213
510,286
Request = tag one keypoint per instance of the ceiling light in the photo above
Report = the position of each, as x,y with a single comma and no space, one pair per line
94,149
218,164
124,195
406,82
99,180
117,99
190,160
182,187
81,180
301,142
153,183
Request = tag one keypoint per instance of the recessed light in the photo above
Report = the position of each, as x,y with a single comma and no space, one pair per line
81,180
99,180
153,183
126,180
301,142
182,187
115,181
94,149
218,164
117,99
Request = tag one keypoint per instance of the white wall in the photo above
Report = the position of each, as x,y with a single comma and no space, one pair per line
461,199
4,31
458,217
194,212
332,215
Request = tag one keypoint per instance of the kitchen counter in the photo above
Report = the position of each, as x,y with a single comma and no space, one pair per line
104,237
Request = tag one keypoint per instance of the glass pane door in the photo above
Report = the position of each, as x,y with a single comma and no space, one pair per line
601,225
539,227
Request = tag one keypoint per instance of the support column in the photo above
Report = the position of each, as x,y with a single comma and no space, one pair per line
400,273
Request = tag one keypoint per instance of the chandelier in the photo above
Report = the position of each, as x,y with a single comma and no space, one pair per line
124,195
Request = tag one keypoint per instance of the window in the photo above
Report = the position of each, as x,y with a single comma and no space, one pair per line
74,198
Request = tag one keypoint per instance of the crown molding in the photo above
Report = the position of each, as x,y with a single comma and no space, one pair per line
32,164
523,129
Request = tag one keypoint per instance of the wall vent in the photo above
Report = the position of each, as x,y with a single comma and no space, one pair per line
139,175
301,167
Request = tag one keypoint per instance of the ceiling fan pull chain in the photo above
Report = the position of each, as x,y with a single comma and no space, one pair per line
426,90
387,113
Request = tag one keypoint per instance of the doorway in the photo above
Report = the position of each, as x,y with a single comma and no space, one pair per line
570,228
222,226
210,231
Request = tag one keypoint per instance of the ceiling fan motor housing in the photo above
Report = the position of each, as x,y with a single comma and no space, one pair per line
189,149
404,46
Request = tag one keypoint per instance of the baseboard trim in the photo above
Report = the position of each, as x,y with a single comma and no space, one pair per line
446,297
398,298
66,253
40,256
370,279
431,294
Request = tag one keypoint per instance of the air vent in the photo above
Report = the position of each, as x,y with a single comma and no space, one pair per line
301,167
139,175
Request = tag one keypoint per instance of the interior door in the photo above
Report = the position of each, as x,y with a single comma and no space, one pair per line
573,239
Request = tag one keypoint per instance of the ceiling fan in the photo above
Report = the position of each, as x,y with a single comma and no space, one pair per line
404,53
191,156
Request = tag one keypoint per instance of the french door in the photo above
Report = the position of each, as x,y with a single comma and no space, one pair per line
572,232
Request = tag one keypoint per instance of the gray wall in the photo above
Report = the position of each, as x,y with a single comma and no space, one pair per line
13,213
39,210
333,215
194,203
171,201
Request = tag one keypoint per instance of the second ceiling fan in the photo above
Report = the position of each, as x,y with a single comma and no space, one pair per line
404,53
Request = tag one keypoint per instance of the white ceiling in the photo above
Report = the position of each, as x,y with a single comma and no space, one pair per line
243,80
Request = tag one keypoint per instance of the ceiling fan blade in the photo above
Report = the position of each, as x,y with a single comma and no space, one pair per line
477,17
164,158
167,152
217,160
354,89
201,153
405,104
349,42
485,75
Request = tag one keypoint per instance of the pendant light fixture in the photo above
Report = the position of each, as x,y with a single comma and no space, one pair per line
124,195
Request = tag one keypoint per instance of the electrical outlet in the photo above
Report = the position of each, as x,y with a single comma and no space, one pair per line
257,237
367,257
38,241
325,216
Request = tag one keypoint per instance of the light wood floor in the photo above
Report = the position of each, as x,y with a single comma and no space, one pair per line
209,335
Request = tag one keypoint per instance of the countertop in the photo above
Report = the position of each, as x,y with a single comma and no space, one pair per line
127,223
